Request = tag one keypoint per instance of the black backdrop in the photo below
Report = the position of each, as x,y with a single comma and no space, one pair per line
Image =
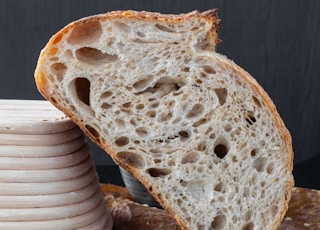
277,41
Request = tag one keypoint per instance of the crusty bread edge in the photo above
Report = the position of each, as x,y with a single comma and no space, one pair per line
211,17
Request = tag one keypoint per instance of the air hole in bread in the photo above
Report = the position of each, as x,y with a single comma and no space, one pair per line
155,150
59,69
85,33
129,88
162,87
92,131
179,202
195,111
183,183
248,215
246,192
202,146
140,106
158,172
172,162
151,113
200,122
106,94
220,187
122,26
126,110
194,28
127,104
250,118
57,39
106,106
200,169
110,41
53,100
94,56
177,120
270,168
141,34
253,152
154,104
120,123
177,93
222,94
164,28
165,116
143,83
248,226
142,131
184,134
221,148
262,143
256,101
133,122
68,54
227,128
132,159
53,51
190,157
198,82
219,222
121,141
208,69
221,199
234,159
82,86
260,163
185,69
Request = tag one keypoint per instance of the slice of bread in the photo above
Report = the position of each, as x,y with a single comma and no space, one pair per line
197,130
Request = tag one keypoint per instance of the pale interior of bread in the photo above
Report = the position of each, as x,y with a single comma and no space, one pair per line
192,126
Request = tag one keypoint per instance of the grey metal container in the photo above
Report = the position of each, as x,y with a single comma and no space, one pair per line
137,190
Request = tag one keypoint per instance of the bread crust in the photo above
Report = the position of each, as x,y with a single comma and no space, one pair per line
210,43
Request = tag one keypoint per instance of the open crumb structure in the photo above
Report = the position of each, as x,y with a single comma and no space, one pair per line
197,130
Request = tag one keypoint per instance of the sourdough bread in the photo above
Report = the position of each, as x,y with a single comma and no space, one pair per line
197,130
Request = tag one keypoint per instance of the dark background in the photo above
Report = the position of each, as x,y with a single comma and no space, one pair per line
276,41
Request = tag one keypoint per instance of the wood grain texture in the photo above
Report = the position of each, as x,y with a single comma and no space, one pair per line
276,41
